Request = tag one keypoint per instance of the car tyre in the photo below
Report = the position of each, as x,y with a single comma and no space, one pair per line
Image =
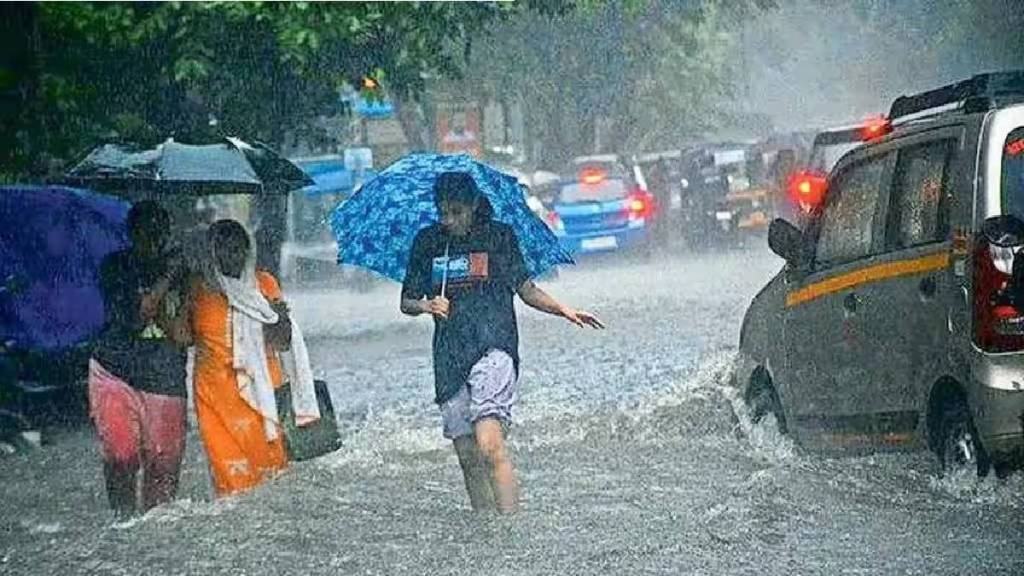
959,448
762,399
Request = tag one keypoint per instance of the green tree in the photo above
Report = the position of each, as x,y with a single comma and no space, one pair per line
615,77
143,71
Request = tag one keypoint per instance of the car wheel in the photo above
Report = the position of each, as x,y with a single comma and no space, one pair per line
762,400
959,449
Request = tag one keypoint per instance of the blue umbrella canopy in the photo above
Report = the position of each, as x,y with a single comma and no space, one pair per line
375,228
52,241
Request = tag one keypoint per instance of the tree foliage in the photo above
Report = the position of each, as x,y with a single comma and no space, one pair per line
76,73
613,76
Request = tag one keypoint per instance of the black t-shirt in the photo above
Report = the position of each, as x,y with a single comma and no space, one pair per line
141,355
485,269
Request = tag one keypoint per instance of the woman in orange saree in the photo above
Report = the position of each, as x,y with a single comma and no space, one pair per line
243,441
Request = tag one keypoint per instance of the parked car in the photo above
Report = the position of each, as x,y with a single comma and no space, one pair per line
898,319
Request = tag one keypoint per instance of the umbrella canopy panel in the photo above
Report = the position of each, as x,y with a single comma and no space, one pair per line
228,167
375,228
52,241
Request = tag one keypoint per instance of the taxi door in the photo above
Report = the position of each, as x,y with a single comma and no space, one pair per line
905,324
828,356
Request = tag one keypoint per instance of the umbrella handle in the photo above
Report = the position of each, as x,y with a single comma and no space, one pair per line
444,274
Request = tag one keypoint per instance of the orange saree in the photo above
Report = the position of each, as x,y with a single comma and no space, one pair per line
233,433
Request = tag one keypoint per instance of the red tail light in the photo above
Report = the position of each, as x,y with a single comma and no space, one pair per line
640,204
807,188
998,323
875,128
555,221
1014,148
592,176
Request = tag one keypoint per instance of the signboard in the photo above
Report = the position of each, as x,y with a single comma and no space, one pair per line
458,130
374,108
729,157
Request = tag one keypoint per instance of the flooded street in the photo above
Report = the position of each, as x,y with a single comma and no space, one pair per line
630,452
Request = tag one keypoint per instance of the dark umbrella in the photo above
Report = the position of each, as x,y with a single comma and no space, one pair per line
230,166
52,241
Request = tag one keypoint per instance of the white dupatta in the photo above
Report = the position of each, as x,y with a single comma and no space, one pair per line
248,313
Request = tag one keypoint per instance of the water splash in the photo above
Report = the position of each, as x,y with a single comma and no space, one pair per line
179,510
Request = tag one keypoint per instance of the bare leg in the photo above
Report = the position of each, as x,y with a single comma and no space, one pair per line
160,483
122,487
490,440
475,473
164,446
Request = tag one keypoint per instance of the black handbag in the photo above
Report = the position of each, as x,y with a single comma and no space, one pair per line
313,440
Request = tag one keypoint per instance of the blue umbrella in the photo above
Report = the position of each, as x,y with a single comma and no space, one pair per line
52,241
376,226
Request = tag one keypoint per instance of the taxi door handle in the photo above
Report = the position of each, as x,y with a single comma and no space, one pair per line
851,303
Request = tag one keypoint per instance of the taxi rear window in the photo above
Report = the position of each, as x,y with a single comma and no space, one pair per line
603,191
1013,173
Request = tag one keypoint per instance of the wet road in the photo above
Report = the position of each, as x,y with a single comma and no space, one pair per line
627,442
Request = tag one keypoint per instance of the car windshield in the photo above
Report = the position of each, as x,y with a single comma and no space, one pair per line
603,191
1013,174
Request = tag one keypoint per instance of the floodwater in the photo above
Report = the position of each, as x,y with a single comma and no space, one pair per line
633,451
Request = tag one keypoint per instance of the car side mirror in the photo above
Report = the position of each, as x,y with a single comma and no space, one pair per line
1004,231
786,240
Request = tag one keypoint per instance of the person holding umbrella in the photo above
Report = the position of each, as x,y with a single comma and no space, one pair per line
137,370
462,240
465,271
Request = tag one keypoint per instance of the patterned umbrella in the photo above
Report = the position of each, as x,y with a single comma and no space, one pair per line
376,226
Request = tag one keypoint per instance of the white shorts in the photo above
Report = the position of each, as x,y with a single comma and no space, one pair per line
490,392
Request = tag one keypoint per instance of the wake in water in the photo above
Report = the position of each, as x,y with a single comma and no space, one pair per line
703,408
702,413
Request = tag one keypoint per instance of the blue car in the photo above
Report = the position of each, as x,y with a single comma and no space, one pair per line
600,212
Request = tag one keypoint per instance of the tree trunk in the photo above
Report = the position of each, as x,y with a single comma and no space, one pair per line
19,58
412,121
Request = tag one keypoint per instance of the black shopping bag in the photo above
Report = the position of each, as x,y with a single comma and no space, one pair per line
313,440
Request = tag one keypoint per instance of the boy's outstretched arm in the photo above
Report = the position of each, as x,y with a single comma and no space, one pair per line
536,298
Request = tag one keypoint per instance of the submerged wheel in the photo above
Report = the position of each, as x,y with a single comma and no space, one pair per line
762,399
958,448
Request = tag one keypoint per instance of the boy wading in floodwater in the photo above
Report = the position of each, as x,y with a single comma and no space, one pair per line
464,272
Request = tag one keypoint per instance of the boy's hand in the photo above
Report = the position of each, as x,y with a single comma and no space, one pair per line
438,306
582,318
